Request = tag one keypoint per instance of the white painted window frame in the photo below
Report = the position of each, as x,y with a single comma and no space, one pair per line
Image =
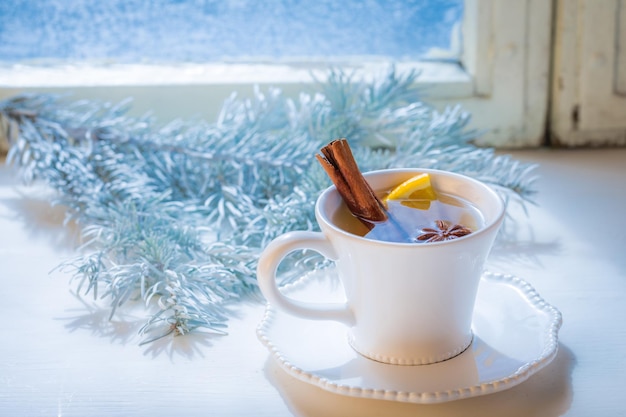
588,105
507,54
504,79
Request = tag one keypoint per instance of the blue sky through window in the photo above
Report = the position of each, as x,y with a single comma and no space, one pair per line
166,31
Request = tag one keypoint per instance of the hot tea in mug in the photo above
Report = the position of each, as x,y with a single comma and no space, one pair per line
415,220
409,259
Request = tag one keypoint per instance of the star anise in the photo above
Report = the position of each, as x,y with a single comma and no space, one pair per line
445,231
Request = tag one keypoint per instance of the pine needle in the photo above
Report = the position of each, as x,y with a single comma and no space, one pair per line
176,215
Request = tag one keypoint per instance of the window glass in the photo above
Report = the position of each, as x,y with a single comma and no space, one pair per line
131,31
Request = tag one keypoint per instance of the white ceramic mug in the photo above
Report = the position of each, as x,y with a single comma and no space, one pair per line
407,303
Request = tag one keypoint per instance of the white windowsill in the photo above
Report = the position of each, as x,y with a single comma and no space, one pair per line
441,80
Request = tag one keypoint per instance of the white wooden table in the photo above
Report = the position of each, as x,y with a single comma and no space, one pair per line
61,356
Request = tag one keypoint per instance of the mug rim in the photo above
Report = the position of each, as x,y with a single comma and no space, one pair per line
323,217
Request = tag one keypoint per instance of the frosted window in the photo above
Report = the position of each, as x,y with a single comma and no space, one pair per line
126,31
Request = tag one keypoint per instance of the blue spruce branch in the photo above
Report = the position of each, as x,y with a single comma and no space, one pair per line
176,215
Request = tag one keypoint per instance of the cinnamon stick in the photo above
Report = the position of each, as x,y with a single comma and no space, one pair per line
338,162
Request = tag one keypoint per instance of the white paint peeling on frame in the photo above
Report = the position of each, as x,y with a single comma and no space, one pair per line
510,66
587,107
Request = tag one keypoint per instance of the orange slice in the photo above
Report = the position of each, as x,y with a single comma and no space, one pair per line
415,188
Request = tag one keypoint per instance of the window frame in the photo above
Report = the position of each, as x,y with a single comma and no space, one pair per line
588,105
503,79
507,53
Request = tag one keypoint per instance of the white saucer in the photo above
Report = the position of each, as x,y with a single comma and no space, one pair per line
515,335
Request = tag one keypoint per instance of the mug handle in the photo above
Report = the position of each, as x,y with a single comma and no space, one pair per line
273,255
